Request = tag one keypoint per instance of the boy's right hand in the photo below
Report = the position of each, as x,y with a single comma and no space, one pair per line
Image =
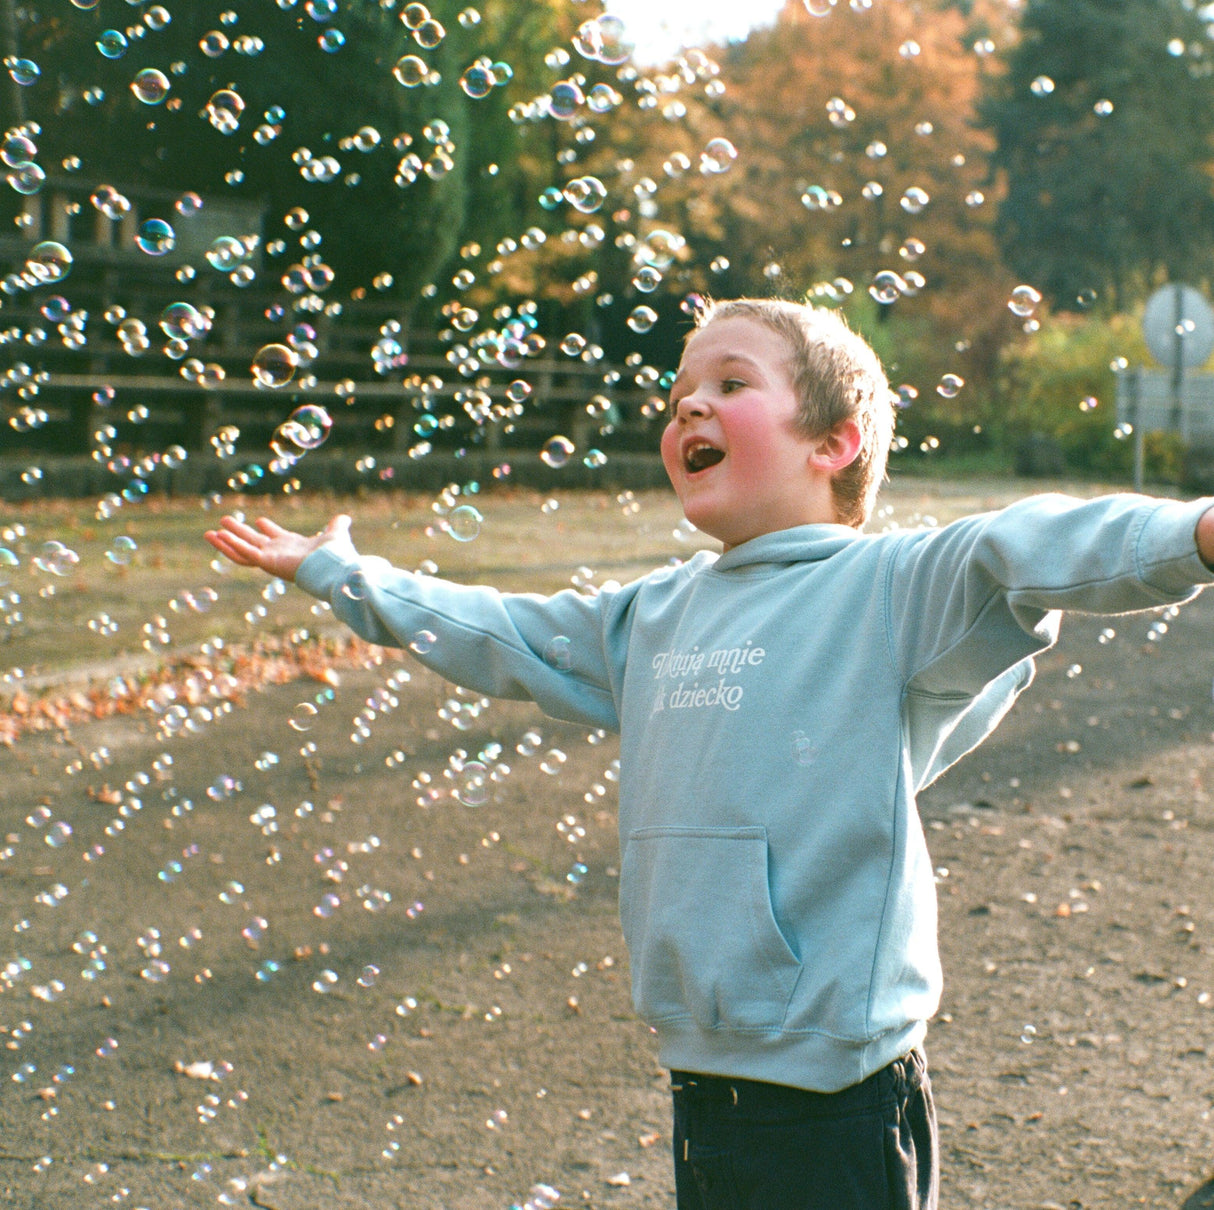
265,544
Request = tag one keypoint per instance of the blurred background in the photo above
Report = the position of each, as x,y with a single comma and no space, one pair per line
472,229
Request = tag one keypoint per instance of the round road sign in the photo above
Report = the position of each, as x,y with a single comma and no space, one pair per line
1179,327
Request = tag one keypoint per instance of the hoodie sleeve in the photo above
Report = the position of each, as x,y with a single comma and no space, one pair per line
969,601
557,651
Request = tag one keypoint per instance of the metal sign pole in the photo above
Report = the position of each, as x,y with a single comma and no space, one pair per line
1178,354
1135,383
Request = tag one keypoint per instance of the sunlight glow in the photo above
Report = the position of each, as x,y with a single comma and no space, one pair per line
661,28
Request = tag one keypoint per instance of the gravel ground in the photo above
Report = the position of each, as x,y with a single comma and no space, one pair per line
452,1025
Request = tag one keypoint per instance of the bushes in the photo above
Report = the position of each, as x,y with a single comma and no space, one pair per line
1060,386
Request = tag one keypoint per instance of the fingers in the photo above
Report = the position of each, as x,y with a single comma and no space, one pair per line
233,548
239,529
268,545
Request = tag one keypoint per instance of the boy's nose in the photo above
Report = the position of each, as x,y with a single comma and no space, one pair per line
691,406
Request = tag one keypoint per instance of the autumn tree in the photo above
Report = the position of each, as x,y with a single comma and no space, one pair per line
858,168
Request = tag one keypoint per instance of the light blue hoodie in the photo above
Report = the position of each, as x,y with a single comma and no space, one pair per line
779,706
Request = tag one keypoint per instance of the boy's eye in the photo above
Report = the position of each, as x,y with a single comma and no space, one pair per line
732,384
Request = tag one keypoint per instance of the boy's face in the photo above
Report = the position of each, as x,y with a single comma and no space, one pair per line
738,464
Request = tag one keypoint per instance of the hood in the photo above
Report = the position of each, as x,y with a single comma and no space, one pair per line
801,544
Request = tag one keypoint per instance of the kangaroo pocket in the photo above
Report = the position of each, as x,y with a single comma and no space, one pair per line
702,937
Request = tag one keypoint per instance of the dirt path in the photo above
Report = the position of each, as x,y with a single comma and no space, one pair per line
453,1026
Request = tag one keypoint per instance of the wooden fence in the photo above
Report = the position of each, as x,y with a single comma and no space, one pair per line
70,384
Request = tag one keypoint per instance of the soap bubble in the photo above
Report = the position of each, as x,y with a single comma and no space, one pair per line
56,558
477,81
464,523
586,193
110,201
27,179
565,99
1023,301
553,761
308,426
156,237
303,717
804,750
557,451
23,71
604,39
224,110
473,789
16,148
255,929
641,319
718,156
950,385
150,86
914,200
274,365
121,550
58,834
887,286
227,253
411,71
49,261
429,34
183,321
558,653
112,43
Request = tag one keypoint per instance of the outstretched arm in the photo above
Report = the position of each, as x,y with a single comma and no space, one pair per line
549,649
267,545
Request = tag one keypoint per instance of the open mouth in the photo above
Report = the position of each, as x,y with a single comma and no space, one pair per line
699,456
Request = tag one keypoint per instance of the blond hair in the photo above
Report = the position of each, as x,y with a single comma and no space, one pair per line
837,377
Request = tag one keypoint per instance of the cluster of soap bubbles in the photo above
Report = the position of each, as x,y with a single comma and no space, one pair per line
491,347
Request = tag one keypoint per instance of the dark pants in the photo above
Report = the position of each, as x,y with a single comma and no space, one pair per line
744,1145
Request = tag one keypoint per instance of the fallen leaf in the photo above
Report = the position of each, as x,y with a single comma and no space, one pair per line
200,1069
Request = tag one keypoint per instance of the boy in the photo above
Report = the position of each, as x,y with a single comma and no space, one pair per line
779,706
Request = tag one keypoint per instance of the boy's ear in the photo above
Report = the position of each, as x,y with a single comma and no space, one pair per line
837,449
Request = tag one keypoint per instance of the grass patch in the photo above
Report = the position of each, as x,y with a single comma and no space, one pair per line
174,595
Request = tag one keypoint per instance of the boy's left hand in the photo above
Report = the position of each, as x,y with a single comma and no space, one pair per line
1205,537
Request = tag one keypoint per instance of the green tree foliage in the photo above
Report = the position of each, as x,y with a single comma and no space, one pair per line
1104,125
392,166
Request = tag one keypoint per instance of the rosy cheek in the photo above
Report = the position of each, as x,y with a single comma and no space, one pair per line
670,448
747,444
